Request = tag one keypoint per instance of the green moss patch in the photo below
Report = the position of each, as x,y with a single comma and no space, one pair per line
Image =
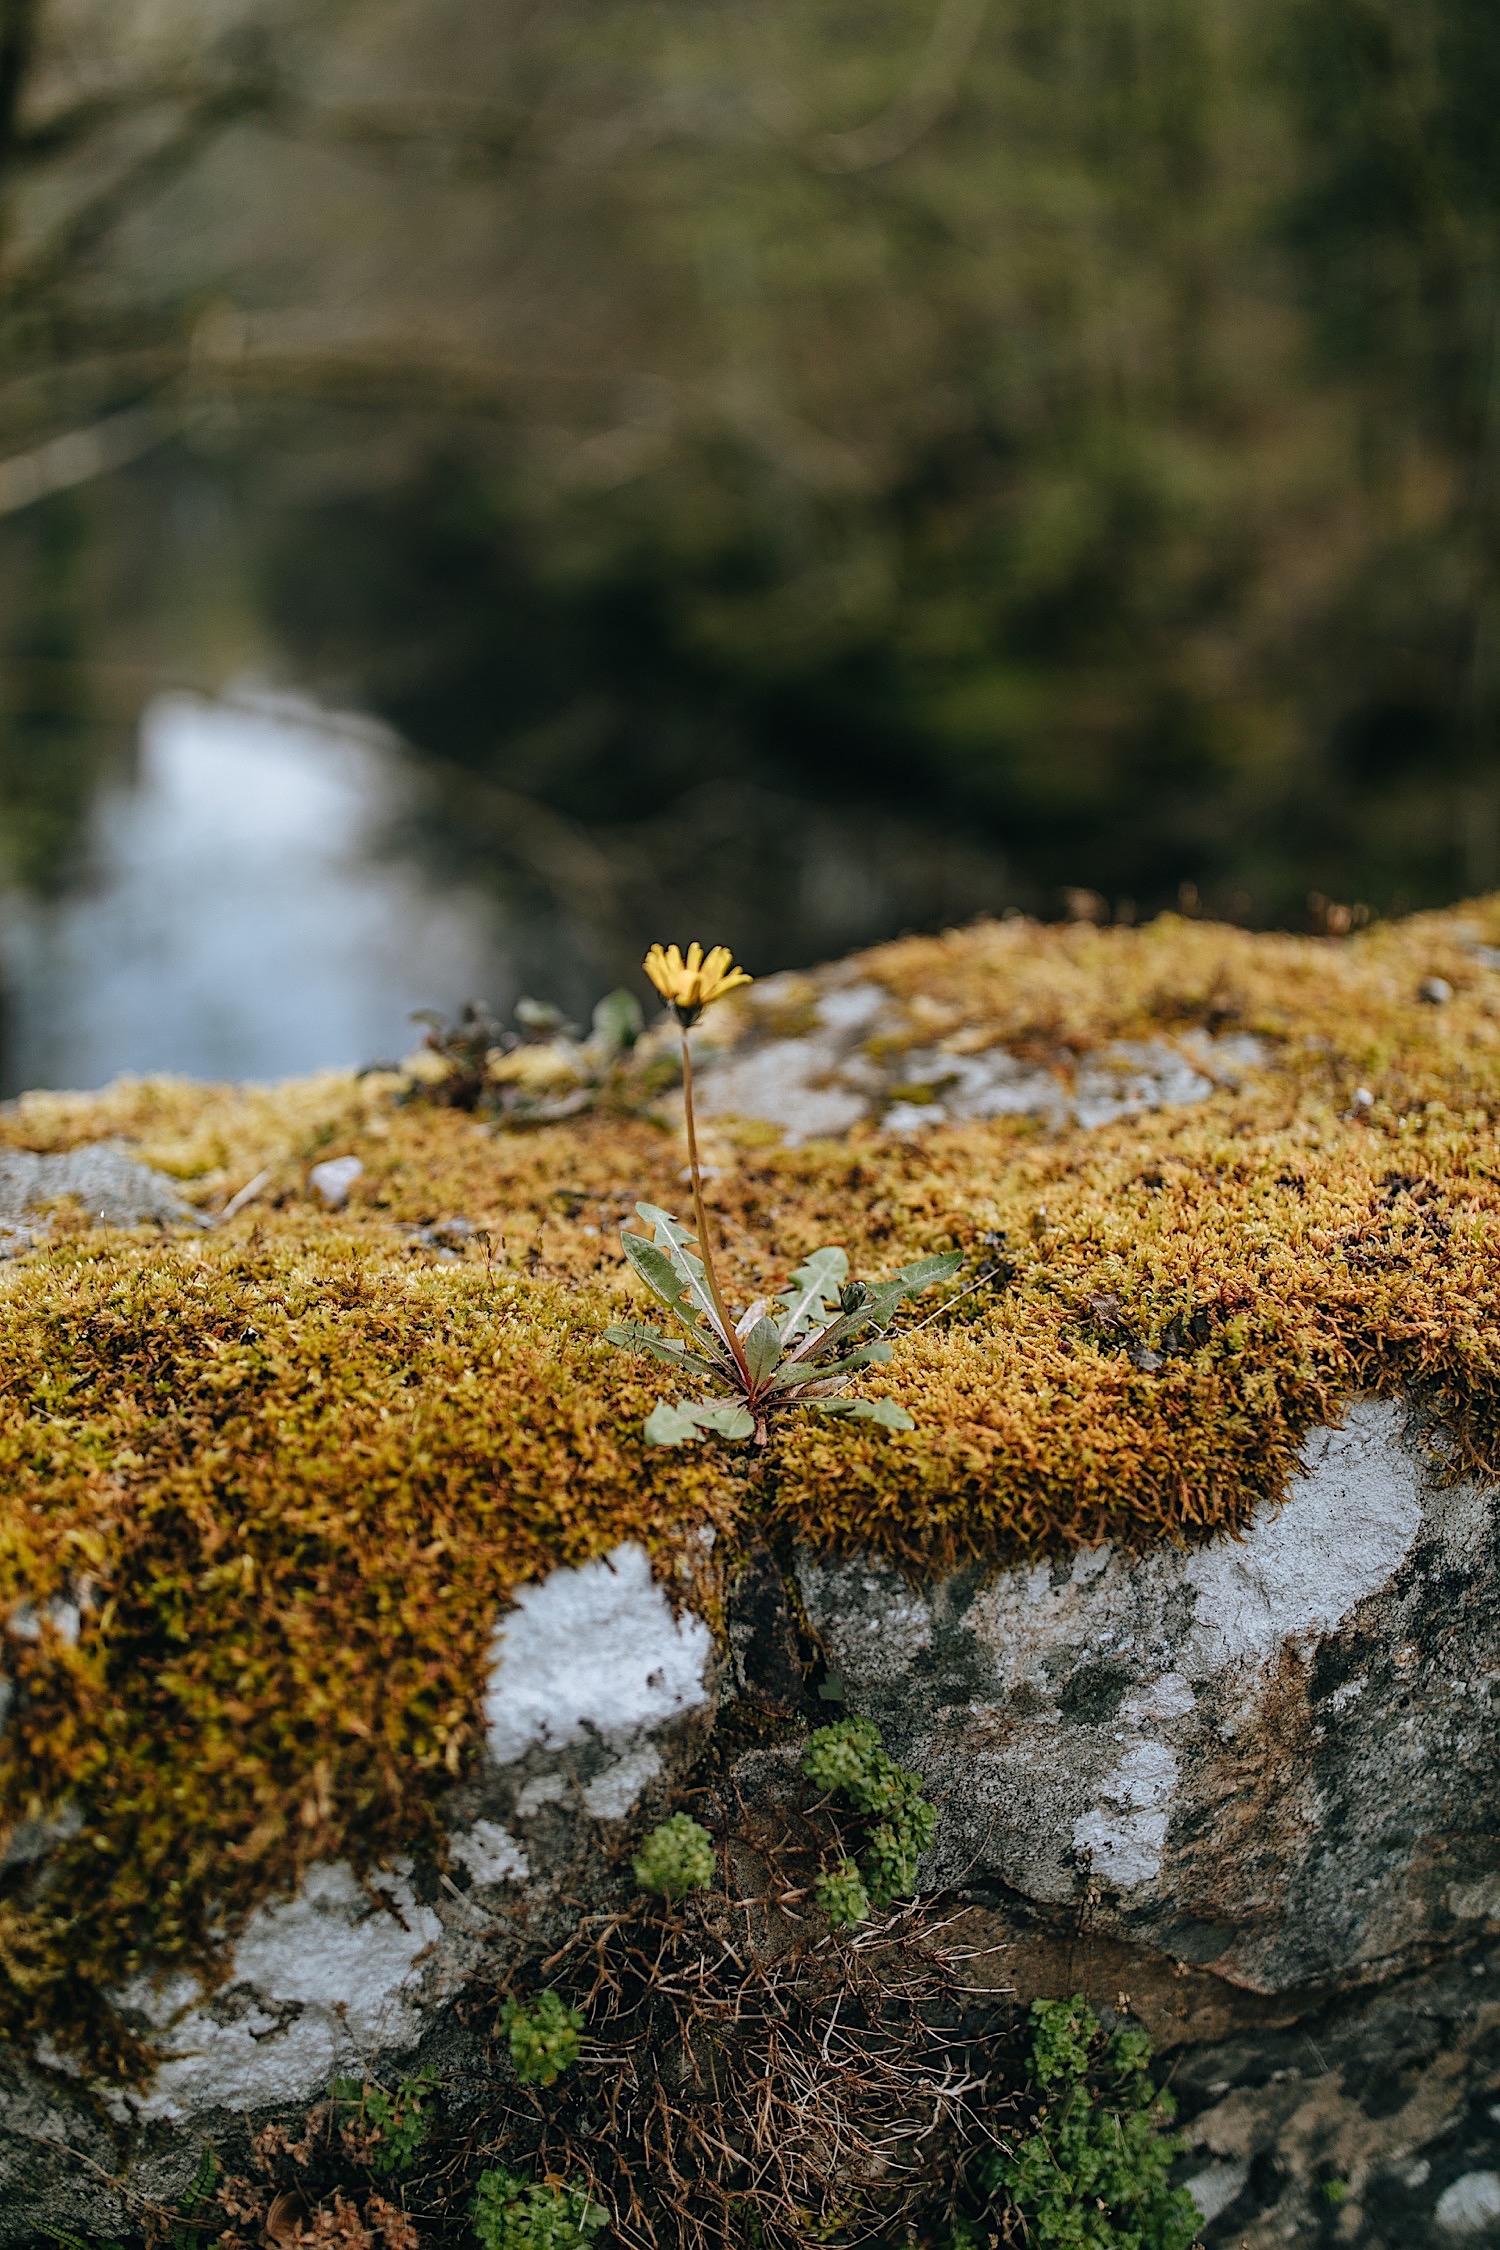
287,1472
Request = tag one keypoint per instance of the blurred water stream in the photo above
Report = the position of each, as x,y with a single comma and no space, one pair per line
242,913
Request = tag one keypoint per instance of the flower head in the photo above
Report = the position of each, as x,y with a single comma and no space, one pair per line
689,985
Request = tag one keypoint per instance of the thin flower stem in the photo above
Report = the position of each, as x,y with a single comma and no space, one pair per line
705,1243
948,1306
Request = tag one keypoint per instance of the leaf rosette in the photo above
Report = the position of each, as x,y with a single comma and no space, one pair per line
801,1348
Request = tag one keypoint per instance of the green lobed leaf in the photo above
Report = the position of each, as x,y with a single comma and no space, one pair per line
729,1420
673,1238
683,1421
885,1411
924,1272
635,1336
880,1306
670,1422
815,1286
656,1270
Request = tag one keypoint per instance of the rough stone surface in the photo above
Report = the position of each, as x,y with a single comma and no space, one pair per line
102,1178
855,1062
1274,1755
1254,1786
598,1695
1250,1785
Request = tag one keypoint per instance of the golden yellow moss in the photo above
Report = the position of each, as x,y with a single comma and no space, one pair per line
293,1467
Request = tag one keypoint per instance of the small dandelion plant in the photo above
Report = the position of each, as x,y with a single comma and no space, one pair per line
799,1349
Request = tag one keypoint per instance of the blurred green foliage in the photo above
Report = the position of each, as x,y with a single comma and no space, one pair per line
881,463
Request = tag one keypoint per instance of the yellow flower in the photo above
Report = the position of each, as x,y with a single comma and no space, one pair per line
689,986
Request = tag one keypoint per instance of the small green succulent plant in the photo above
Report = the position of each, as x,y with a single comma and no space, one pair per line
677,1856
841,1893
393,2125
513,2213
1094,2174
848,1759
546,2038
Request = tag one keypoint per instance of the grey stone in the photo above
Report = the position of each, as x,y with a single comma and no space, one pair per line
1272,1753
858,1062
334,1178
106,1181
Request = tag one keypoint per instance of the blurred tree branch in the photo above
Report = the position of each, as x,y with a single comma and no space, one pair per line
17,39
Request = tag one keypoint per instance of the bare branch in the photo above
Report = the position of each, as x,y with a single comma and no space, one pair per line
79,456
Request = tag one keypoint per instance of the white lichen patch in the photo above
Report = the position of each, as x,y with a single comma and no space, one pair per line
1470,2206
317,1983
614,1793
1348,1525
1125,1832
542,1789
594,1651
490,1853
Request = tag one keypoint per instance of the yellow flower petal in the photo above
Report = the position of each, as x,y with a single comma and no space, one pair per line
690,984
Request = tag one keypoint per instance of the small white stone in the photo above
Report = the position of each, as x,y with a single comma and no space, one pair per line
490,1853
334,1178
594,1650
1470,2205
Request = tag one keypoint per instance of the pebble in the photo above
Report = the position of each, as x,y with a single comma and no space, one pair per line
334,1178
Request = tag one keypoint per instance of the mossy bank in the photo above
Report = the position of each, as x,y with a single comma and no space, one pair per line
268,1483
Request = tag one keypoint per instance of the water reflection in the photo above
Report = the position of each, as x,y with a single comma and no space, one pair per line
242,915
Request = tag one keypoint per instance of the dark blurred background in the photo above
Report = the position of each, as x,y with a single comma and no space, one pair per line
486,484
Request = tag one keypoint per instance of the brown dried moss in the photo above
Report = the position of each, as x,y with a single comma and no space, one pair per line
291,1469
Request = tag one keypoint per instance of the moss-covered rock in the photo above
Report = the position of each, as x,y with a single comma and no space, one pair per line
269,1484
